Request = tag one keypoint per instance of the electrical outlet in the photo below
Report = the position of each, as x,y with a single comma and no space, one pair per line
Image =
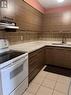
21,38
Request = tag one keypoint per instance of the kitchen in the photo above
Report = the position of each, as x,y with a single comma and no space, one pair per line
39,31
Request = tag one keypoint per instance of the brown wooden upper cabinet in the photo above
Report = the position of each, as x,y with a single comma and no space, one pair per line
59,56
19,13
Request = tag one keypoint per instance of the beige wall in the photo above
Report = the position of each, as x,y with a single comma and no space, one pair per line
57,25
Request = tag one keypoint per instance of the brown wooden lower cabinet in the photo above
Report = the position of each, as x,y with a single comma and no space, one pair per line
36,62
59,56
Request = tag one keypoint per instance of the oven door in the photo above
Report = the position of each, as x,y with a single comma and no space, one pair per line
13,76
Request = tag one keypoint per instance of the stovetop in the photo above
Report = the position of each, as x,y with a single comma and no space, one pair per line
9,55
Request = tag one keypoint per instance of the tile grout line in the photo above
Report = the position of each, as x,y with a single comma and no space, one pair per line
69,87
44,86
53,89
60,91
40,86
48,87
54,86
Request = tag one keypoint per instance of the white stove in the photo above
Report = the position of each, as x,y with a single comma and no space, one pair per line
13,70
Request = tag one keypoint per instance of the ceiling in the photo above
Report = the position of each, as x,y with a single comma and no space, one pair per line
53,3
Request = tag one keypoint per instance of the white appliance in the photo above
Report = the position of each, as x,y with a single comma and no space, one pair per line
13,72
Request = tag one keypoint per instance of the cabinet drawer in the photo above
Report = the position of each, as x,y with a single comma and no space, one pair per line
36,53
34,73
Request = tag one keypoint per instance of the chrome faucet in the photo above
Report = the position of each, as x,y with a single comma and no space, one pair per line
63,39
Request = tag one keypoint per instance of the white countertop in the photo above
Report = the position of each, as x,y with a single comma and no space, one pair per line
32,46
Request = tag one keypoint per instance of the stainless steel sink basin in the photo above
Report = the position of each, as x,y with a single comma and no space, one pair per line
58,44
68,44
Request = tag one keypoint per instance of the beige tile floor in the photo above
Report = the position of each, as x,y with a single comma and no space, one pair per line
46,83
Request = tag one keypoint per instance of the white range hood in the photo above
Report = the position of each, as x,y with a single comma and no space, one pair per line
8,26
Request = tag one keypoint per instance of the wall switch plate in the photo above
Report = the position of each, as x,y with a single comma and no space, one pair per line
3,4
21,38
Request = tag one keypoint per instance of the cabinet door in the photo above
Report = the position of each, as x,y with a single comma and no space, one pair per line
62,57
36,62
20,13
67,57
58,56
50,55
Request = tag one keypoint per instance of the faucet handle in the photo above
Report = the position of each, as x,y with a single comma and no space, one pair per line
64,40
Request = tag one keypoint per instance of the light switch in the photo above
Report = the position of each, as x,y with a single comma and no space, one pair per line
3,3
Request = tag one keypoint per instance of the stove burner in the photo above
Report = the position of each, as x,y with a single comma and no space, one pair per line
6,56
